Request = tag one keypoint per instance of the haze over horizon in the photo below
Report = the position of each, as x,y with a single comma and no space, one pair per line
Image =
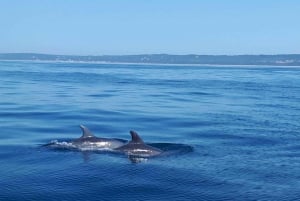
149,27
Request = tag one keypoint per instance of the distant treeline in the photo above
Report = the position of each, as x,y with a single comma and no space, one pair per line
278,60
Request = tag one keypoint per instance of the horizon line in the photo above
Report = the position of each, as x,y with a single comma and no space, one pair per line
190,54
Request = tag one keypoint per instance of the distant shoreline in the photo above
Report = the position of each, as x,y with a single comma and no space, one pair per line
156,64
284,60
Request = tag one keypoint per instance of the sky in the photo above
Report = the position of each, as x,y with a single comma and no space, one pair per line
123,27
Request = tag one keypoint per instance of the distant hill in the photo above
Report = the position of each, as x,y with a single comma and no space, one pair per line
277,60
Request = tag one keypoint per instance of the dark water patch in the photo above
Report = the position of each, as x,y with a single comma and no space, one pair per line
238,140
290,156
32,115
101,95
274,105
191,123
172,148
200,93
295,148
159,95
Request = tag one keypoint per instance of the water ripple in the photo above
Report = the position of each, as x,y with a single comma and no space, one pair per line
228,133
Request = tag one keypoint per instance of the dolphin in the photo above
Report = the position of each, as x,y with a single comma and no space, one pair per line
90,141
137,148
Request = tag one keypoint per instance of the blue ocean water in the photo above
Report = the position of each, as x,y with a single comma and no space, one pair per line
242,123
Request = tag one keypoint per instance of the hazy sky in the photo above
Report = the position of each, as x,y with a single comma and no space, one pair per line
97,27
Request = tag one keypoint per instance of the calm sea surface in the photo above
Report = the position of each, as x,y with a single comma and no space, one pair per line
242,126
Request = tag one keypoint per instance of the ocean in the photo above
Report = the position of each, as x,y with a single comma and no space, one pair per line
234,131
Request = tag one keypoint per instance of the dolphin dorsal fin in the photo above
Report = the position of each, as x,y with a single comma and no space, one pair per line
86,132
135,138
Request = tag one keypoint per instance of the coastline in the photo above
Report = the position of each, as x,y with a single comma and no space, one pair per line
154,64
